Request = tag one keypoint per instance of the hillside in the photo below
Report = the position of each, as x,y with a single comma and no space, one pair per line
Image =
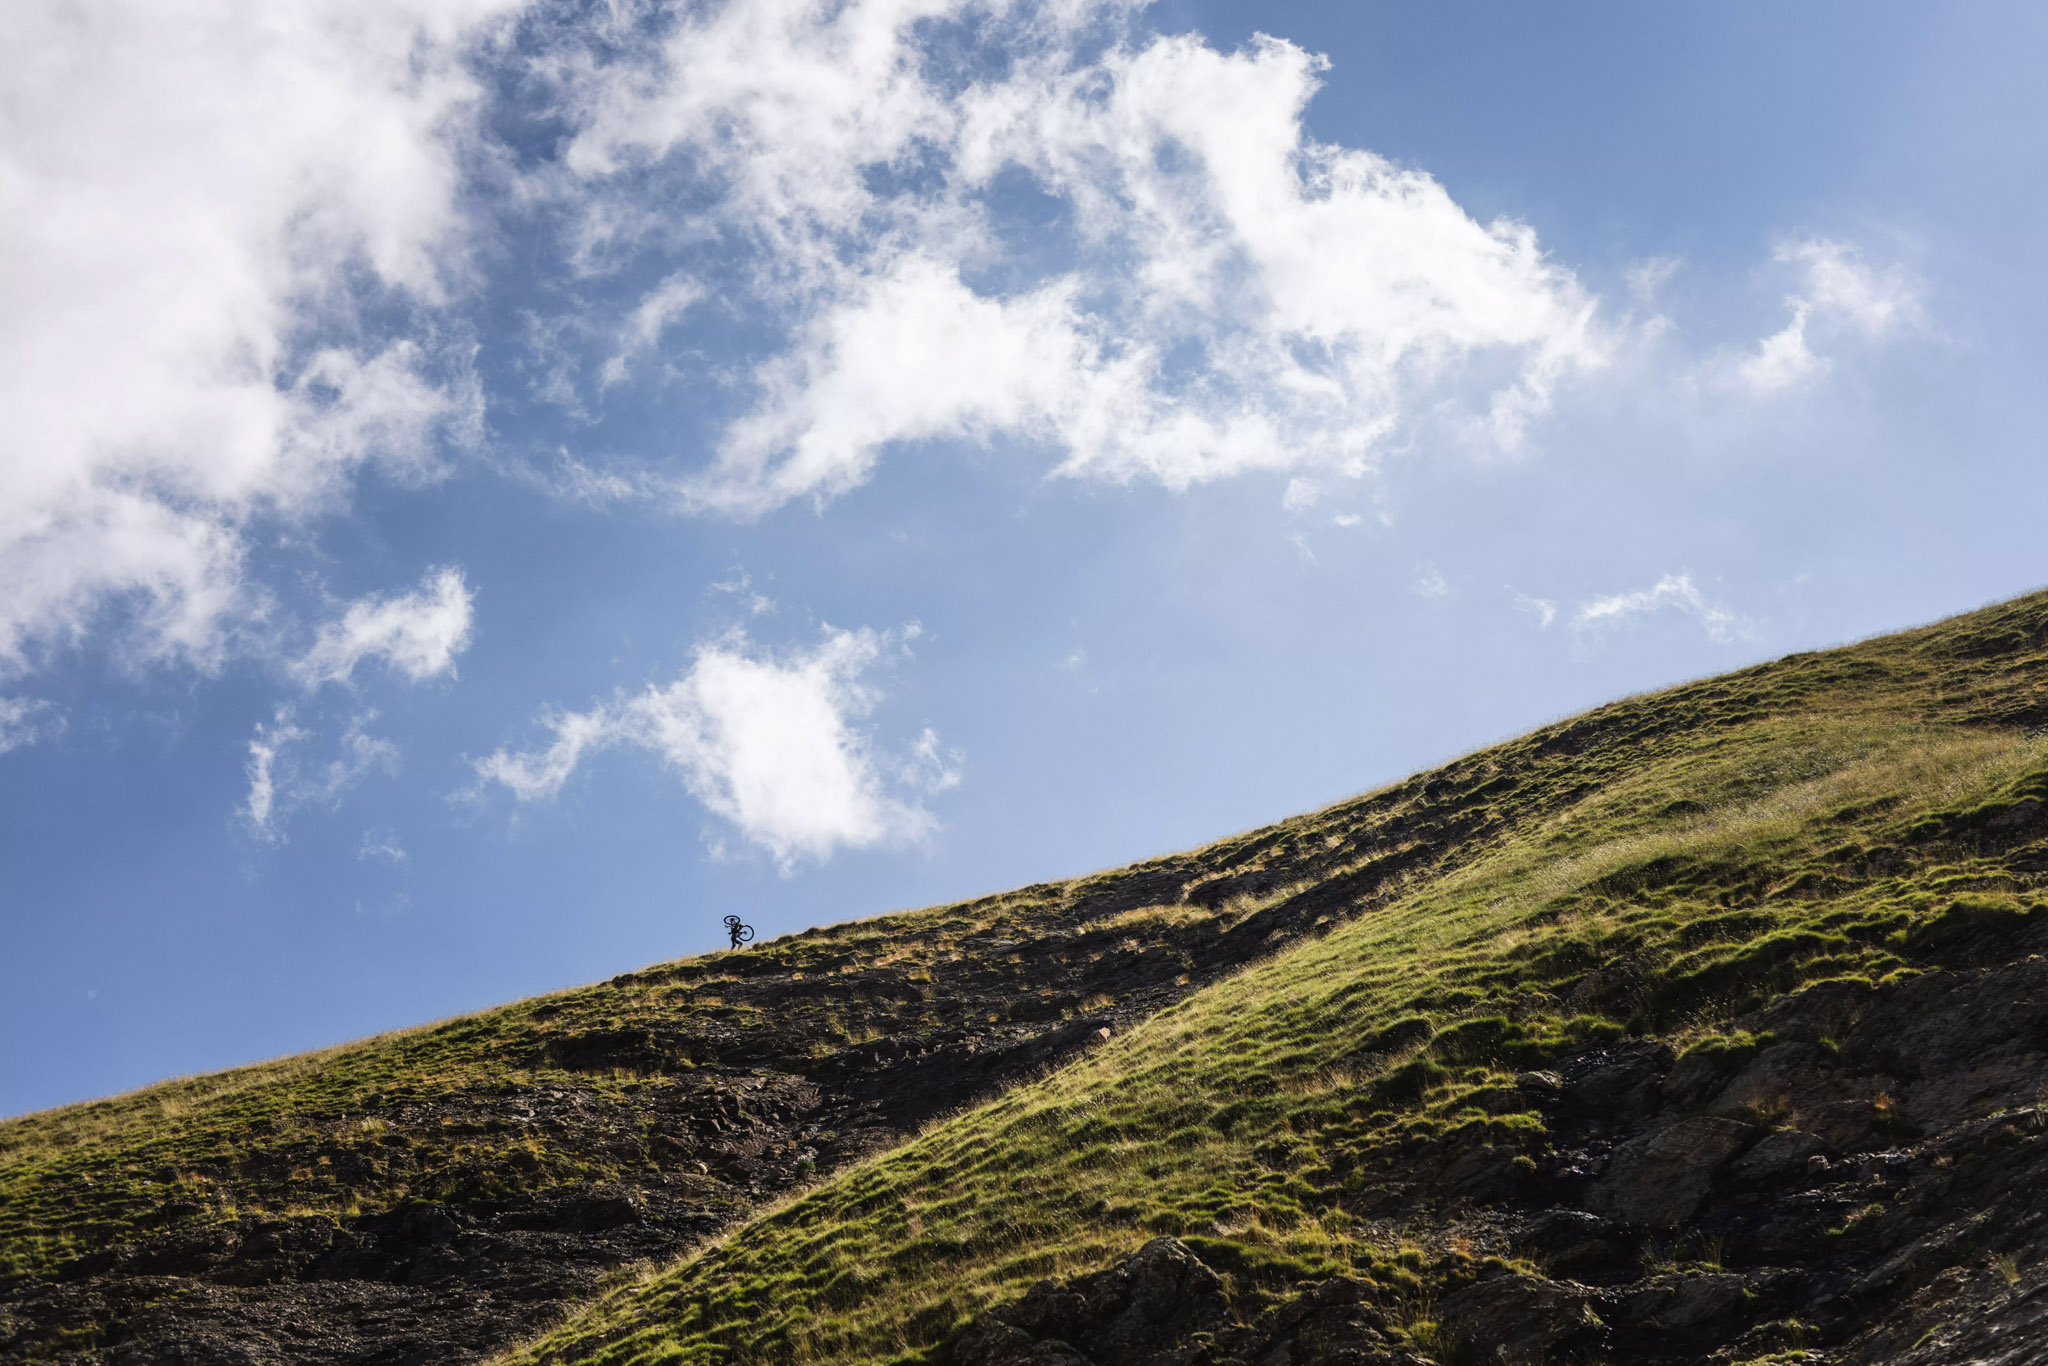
1708,1026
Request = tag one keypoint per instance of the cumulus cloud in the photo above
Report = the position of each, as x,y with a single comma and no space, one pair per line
1210,290
281,780
767,741
417,634
1672,593
27,721
1840,295
215,184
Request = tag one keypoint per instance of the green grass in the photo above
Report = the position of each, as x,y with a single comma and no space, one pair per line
1820,819
1656,866
1244,1117
326,1133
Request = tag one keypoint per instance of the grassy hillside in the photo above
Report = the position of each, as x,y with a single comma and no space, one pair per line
1346,1046
1819,819
558,1139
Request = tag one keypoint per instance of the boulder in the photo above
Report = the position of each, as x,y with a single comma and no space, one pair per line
1781,1155
1700,1307
1125,1316
988,1341
1516,1319
1659,1179
1619,1081
1332,1323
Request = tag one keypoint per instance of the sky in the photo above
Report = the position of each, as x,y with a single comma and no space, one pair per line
490,489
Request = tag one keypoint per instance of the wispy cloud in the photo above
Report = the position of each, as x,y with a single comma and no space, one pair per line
740,587
657,309
1839,294
27,721
1672,593
1647,278
417,634
766,740
282,782
932,767
1543,609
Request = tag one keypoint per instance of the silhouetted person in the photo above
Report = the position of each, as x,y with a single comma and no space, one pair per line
740,933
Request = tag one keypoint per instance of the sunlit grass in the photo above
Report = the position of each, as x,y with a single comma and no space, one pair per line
1653,867
1242,1118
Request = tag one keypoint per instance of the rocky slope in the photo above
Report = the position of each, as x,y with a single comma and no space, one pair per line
438,1195
1707,1027
1902,1216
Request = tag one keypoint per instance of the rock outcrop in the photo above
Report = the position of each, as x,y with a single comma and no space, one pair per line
1866,1188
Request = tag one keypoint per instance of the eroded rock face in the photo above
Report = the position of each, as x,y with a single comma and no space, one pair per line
1659,1179
1160,1295
1521,1320
1162,1306
1869,1187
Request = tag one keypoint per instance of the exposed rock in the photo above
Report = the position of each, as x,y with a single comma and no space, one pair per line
1783,1154
1132,1314
1162,1306
1520,1320
738,1104
1574,1243
1865,1180
1696,1308
1333,1323
1618,1082
1659,1179
989,1341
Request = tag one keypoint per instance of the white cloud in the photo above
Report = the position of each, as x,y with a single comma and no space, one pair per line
1300,494
1839,296
382,846
214,183
280,782
1673,592
1431,583
418,634
264,751
1783,359
1543,609
931,767
766,741
1838,282
1647,278
28,721
1226,294
660,307
740,587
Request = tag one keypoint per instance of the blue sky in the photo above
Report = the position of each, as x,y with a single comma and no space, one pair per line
491,491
